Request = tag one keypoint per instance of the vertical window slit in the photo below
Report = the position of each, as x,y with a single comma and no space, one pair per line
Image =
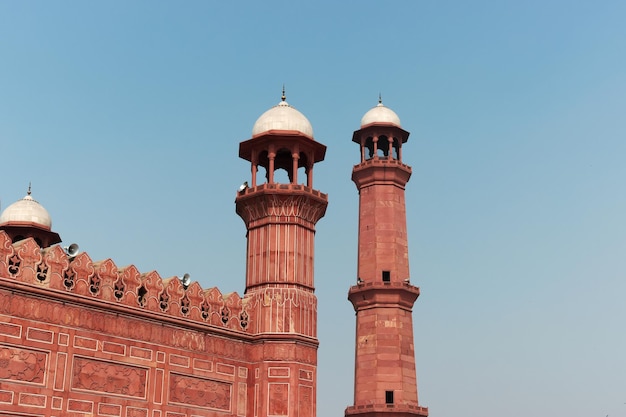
389,397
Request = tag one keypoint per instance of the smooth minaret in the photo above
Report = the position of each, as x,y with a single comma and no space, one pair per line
385,381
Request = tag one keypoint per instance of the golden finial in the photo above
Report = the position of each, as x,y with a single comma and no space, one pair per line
29,183
380,99
283,98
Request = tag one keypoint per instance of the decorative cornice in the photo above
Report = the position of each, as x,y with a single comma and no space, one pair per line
282,203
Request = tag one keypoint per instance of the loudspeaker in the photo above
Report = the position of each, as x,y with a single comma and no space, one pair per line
72,250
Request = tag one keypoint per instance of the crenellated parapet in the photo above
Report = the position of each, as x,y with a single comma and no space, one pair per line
53,273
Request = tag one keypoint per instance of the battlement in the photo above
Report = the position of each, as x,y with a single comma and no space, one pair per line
51,272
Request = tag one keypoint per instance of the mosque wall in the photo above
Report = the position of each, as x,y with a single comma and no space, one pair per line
84,338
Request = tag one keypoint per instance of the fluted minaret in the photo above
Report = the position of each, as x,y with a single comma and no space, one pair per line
385,381
280,221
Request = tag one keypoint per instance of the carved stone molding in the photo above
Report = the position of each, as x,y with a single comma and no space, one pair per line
58,313
301,208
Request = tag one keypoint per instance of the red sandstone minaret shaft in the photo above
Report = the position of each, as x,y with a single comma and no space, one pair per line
385,379
280,220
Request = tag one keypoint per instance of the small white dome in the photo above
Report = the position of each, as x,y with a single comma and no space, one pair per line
26,210
283,117
380,114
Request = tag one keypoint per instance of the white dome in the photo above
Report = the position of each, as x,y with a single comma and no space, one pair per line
380,114
282,117
26,210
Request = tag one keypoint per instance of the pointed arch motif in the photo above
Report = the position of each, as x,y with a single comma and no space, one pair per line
25,260
78,276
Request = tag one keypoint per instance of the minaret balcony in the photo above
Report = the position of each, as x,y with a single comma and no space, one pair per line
387,410
383,294
277,188
281,204
381,171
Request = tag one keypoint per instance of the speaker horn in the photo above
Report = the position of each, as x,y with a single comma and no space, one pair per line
186,280
72,250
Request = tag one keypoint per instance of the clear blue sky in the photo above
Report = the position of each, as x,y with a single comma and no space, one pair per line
126,117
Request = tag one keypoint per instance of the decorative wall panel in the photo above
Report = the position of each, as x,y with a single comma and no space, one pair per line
200,392
278,399
23,365
107,377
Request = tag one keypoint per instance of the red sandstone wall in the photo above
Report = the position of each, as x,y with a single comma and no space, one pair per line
57,370
79,338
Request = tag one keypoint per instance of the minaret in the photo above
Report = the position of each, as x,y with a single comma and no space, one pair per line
280,221
385,382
